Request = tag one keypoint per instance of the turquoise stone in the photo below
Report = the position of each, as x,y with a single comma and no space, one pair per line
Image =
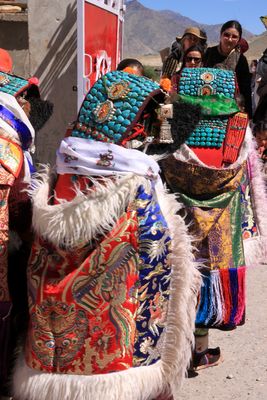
93,105
133,95
117,127
118,104
120,118
122,129
126,122
125,113
126,105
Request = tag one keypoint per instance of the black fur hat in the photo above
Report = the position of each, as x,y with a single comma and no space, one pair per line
41,111
185,118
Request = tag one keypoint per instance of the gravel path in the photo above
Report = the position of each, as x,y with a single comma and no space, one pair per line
243,374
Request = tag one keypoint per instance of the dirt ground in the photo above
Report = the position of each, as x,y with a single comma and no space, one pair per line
243,374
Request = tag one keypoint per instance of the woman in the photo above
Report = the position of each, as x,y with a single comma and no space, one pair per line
108,308
227,55
216,161
191,36
193,57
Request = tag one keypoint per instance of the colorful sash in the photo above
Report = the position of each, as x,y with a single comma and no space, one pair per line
11,156
212,198
19,126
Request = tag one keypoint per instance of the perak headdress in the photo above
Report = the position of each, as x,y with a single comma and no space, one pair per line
117,107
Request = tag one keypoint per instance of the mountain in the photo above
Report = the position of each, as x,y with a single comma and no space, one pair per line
147,31
256,46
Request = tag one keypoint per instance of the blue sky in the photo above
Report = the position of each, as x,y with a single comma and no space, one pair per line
247,12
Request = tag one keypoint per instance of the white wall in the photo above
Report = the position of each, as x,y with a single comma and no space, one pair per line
52,58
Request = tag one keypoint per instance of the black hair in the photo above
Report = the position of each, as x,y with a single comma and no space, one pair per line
129,62
196,47
41,111
232,24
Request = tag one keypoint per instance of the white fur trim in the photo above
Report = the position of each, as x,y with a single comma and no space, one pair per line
256,248
185,284
255,251
63,224
142,383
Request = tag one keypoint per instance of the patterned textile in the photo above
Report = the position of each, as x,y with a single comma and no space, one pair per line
212,199
154,279
6,181
101,308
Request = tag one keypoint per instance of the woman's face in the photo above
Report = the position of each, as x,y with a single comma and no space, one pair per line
189,40
193,59
229,39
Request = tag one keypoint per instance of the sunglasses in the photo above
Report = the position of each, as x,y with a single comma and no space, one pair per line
196,59
229,35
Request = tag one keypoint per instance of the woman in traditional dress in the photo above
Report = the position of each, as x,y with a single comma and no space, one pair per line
228,55
111,278
22,114
214,169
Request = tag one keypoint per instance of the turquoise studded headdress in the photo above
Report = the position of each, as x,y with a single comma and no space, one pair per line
16,85
114,105
206,82
214,91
